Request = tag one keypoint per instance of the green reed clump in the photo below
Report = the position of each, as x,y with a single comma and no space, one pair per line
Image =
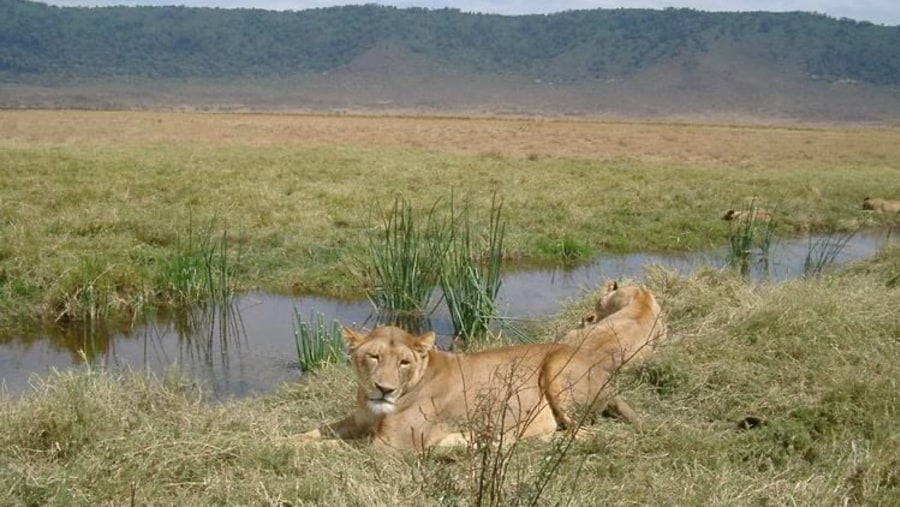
318,342
198,270
404,260
749,237
470,274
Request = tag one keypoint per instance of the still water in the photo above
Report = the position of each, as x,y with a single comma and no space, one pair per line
251,348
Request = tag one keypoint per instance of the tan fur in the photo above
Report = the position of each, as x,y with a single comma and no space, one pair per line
626,324
755,215
413,396
879,205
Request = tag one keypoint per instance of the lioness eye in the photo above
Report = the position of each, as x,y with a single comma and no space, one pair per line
373,357
404,362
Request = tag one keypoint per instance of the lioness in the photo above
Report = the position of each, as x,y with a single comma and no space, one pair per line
755,215
879,205
626,324
411,395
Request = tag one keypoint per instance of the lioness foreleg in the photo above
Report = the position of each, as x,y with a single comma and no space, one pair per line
351,427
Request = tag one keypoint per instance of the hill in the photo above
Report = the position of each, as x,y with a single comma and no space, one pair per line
620,62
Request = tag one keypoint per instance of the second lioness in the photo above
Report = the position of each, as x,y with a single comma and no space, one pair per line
412,396
626,325
879,205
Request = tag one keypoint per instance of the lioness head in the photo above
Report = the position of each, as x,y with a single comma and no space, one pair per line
731,214
389,362
614,299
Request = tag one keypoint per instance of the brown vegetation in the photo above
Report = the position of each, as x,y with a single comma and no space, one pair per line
741,146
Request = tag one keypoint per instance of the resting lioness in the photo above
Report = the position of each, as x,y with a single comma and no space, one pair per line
879,205
412,396
627,324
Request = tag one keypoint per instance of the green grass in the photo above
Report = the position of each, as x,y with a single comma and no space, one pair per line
403,262
198,271
749,239
319,343
470,273
815,359
299,215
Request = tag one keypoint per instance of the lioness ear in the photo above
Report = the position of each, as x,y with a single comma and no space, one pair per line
352,337
424,343
611,286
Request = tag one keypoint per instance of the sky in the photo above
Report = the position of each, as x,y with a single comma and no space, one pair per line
885,12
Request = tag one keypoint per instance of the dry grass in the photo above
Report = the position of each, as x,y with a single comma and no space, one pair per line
735,146
815,360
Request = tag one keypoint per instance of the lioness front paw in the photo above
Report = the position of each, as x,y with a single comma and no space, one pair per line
308,436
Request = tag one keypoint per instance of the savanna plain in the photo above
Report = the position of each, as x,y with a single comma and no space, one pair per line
767,393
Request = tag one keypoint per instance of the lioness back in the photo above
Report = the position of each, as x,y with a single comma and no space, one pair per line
879,205
626,323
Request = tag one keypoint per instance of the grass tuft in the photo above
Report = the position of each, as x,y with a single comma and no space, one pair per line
749,239
198,270
319,343
823,252
470,273
404,260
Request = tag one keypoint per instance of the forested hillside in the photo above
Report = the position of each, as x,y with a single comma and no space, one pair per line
40,43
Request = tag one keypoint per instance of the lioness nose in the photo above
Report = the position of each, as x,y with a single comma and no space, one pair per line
385,390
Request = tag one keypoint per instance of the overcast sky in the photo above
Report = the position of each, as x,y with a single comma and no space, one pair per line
877,11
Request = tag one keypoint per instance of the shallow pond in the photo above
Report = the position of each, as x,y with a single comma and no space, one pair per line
252,349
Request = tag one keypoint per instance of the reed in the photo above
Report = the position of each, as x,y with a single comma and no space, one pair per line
823,252
91,292
404,260
470,274
198,270
748,239
318,342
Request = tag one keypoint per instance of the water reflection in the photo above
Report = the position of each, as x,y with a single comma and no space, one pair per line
249,346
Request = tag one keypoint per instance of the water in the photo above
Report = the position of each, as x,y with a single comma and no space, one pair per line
251,348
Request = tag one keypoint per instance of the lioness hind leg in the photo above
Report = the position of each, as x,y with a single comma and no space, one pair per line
619,408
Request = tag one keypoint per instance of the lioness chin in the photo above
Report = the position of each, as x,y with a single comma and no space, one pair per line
411,395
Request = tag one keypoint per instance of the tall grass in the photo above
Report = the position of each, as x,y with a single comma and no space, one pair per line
470,273
404,260
198,270
748,239
824,251
318,342
88,294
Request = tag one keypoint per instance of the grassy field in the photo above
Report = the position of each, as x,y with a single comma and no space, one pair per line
96,207
100,209
816,361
